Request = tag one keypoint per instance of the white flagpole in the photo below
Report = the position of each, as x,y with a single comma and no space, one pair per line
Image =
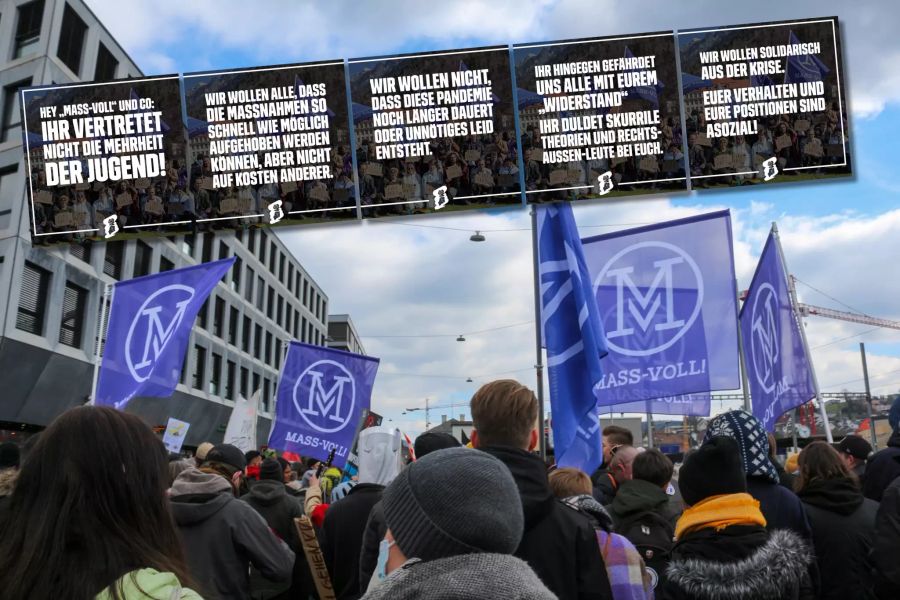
793,295
538,329
107,293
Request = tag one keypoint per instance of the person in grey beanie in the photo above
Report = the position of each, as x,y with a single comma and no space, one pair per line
453,523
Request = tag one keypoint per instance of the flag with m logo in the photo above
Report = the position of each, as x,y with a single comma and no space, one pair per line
667,301
778,369
804,67
150,322
573,336
322,395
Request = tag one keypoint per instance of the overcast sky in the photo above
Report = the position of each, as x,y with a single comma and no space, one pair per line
423,276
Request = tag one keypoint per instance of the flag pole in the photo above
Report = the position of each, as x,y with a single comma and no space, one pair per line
812,369
538,329
107,294
745,383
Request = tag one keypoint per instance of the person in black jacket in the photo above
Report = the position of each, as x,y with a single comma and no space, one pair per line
723,549
345,521
558,542
887,540
843,523
376,526
270,499
224,536
884,466
645,492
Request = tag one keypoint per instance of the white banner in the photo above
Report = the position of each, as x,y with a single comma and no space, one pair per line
175,433
241,430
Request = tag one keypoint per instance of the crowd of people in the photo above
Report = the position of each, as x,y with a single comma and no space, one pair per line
94,507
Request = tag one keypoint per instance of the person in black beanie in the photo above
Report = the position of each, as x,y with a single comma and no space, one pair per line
723,549
269,498
453,524
375,527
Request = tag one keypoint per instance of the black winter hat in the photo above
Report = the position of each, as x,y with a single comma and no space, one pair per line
712,470
271,469
9,455
228,455
250,455
454,501
429,442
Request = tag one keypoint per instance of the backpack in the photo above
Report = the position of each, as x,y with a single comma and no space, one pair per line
653,537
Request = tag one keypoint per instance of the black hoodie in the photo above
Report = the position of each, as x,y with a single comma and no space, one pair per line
883,468
558,542
843,526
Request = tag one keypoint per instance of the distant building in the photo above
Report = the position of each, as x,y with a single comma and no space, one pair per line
50,303
460,428
342,334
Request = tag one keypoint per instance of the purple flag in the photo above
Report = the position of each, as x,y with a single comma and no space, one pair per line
321,396
150,323
778,368
668,304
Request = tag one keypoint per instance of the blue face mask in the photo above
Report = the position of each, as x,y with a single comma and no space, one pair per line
383,551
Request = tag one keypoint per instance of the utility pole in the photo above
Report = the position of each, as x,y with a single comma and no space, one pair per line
862,352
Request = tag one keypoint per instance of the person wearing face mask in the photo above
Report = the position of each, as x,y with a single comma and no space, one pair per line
453,520
345,521
223,536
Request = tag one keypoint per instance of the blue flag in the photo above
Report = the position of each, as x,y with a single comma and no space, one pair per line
321,397
696,405
150,322
573,336
668,304
778,368
804,67
644,92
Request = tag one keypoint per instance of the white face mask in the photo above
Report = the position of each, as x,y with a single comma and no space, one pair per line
384,549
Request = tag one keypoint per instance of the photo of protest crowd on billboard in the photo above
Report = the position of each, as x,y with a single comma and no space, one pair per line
764,103
599,116
271,145
104,158
435,132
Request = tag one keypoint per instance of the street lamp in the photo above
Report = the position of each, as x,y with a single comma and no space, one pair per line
460,338
476,237
469,380
427,420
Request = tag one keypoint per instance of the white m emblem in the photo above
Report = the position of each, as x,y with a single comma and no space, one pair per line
638,305
326,407
141,352
764,342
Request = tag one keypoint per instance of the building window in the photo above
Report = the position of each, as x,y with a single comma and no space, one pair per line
223,250
245,381
262,247
281,269
251,241
245,335
33,299
290,279
103,319
260,294
207,247
165,264
305,292
106,64
143,253
229,380
270,305
81,251
303,330
71,39
268,349
257,342
255,384
187,245
72,325
28,28
265,395
112,262
218,317
279,313
287,317
236,271
12,116
215,378
248,285
233,317
199,367
277,364
297,324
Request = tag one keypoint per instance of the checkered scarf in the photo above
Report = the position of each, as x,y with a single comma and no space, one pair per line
750,435
629,578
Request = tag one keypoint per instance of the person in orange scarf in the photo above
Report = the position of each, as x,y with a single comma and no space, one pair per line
722,548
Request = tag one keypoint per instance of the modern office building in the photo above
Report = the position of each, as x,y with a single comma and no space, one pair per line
50,296
342,334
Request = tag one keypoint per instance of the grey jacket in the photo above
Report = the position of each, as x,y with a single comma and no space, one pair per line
222,536
463,577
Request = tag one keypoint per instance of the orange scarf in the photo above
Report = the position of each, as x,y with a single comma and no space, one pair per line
720,512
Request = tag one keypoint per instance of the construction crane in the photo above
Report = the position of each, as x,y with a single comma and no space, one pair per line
806,310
